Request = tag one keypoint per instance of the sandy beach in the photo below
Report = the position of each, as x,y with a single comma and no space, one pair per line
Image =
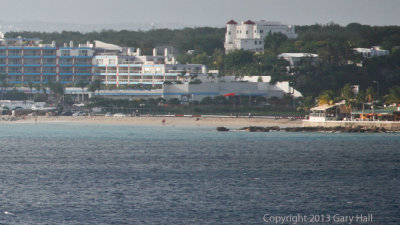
209,121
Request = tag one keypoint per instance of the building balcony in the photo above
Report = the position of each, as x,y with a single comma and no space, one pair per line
66,65
84,74
32,65
83,65
32,56
84,56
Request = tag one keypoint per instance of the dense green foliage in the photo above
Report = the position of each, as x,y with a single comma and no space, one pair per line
203,39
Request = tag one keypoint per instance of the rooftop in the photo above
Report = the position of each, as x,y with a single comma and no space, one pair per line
297,55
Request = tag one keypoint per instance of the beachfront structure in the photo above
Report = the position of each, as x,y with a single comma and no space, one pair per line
15,104
28,60
250,35
374,51
210,87
295,59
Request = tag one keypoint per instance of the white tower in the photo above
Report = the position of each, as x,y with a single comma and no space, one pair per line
248,29
230,35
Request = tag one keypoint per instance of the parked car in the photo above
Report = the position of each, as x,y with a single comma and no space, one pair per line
79,114
108,114
78,104
119,115
67,113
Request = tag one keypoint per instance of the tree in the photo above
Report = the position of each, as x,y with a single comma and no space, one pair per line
207,101
274,41
195,81
4,83
326,97
348,95
57,88
30,85
220,100
174,101
95,86
306,104
37,87
81,84
370,94
394,95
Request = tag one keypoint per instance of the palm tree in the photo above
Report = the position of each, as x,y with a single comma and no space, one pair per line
326,98
82,84
95,86
394,95
370,94
348,95
57,88
306,104
30,85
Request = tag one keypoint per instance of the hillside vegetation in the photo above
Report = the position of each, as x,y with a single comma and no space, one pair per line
333,43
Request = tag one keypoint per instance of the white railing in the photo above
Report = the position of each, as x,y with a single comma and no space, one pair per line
132,62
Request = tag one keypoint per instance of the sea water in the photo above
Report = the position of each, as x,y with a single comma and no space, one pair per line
106,174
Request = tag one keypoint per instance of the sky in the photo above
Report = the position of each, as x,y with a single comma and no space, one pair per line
213,13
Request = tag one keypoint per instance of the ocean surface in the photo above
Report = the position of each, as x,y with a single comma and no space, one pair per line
106,174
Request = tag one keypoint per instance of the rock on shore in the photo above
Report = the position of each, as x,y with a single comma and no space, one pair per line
357,129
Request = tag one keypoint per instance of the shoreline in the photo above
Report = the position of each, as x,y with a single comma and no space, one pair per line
258,124
206,121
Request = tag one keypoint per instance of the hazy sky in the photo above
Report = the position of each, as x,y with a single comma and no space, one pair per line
202,12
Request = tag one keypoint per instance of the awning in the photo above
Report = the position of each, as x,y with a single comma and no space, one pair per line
322,107
229,94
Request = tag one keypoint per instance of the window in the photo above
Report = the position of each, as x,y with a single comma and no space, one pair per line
247,32
65,53
261,31
260,42
111,61
229,33
83,52
100,61
255,42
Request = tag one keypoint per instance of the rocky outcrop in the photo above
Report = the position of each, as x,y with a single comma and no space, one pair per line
222,129
356,129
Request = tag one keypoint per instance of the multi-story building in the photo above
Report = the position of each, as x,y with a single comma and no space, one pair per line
28,60
130,67
250,35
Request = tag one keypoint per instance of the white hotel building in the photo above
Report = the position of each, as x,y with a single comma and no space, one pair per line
250,35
